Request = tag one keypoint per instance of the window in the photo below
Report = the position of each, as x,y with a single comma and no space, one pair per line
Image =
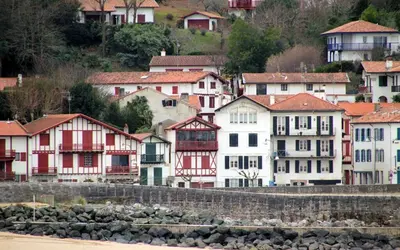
110,139
233,117
68,160
325,169
303,167
201,98
364,39
253,117
325,123
261,89
233,140
366,56
379,134
210,118
357,134
201,85
169,103
212,85
309,87
303,122
212,101
44,139
281,122
382,81
281,167
369,155
87,160
174,90
362,134
233,162
139,87
303,145
368,137
20,156
120,160
242,117
159,88
253,140
116,91
284,87
253,162
324,145
362,155
379,155
357,155
181,184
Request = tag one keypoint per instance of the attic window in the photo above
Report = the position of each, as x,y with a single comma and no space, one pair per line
169,103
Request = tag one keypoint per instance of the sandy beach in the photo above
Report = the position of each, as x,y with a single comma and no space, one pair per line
10,241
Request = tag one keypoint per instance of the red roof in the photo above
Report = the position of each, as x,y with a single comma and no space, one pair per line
12,128
363,108
205,13
266,99
142,136
50,121
7,82
177,61
104,78
304,102
380,67
386,114
360,26
326,78
191,119
111,5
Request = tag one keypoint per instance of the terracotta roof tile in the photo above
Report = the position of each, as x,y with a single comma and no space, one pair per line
12,128
142,136
103,78
177,61
356,109
360,26
380,66
205,13
191,119
7,82
386,114
111,5
266,99
193,101
295,78
304,102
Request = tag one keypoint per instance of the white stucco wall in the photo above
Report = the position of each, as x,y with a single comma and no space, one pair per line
378,91
200,17
185,68
295,88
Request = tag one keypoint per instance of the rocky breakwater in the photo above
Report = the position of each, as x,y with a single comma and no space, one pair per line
123,225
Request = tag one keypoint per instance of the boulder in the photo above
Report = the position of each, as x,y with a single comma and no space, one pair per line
78,226
85,236
157,242
172,242
215,238
190,242
203,231
38,231
290,234
75,234
199,243
145,238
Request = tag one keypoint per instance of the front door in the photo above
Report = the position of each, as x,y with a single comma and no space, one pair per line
43,163
2,146
67,139
157,176
87,140
143,176
150,152
281,148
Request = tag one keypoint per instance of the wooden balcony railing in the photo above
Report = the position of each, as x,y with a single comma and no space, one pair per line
44,171
121,170
7,154
7,176
304,154
360,46
99,147
148,159
197,145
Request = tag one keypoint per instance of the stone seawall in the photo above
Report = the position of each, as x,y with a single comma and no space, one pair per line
237,205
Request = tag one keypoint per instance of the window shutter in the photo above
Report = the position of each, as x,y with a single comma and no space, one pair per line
240,182
250,140
240,162
331,147
246,162
260,182
275,125
287,130
297,166
23,156
226,162
163,103
297,145
309,166
255,140
330,166
259,161
309,145
357,134
287,166
318,148
227,183
296,122
318,166
318,125
398,155
309,122
398,133
275,167
246,182
95,159
81,160
330,125
382,136
174,103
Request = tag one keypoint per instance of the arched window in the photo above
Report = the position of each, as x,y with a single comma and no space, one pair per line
357,155
363,155
369,155
382,99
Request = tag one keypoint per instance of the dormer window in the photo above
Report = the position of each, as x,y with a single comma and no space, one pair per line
169,103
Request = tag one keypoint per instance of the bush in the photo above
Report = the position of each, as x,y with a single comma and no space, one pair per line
180,24
193,31
345,66
203,32
360,98
170,17
92,61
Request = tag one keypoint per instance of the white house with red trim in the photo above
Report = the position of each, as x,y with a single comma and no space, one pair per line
194,153
202,20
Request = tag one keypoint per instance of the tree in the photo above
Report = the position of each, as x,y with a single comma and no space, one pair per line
249,47
219,6
132,4
360,98
139,43
5,110
370,14
87,100
102,3
396,98
113,115
137,114
251,176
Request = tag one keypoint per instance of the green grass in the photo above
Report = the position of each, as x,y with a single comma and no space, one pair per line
161,15
197,42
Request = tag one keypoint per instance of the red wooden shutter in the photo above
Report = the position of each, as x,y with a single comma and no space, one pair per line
201,85
212,85
174,89
141,18
67,139
201,98
43,163
67,160
205,161
95,160
122,18
159,88
347,127
23,156
81,160
87,139
187,162
116,90
44,139
110,139
347,149
212,102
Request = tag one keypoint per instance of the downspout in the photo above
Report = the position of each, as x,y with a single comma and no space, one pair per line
390,150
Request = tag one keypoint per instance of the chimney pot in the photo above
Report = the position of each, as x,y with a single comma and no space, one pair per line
389,63
163,52
126,128
271,100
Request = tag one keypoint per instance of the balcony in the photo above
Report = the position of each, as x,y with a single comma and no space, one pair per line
303,154
152,159
244,4
395,88
70,148
121,170
197,146
306,132
40,171
360,46
7,155
7,176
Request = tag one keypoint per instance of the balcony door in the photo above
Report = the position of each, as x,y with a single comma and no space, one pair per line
151,152
2,147
67,139
157,176
43,163
87,140
281,147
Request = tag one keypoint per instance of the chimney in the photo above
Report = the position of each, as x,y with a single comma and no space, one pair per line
335,101
163,53
271,100
184,97
389,63
126,129
159,129
376,106
19,80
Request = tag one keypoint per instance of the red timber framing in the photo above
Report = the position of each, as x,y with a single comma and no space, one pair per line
196,164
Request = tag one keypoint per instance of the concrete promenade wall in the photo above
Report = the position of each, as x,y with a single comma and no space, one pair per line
239,205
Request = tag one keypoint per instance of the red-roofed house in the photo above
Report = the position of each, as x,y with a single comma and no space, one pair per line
115,11
239,8
201,20
6,82
354,41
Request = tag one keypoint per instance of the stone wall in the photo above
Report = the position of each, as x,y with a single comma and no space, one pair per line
238,205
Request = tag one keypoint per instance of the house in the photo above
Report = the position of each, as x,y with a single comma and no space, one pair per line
211,63
155,161
115,11
295,83
201,20
244,143
7,82
78,148
194,153
239,8
163,106
13,151
306,141
213,91
376,151
381,80
355,41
